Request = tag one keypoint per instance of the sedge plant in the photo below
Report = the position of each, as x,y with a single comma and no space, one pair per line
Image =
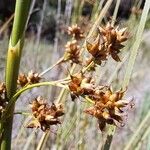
102,102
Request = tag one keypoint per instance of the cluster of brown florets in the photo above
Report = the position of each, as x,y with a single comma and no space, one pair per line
80,85
109,42
45,115
31,78
107,105
75,31
72,48
3,101
72,52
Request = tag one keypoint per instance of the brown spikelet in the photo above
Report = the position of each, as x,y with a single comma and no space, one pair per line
97,50
33,77
75,31
80,85
107,107
44,114
22,80
72,52
113,39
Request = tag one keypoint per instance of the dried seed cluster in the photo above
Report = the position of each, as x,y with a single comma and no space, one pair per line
107,107
108,42
31,78
80,85
72,52
72,48
44,114
75,31
107,104
3,101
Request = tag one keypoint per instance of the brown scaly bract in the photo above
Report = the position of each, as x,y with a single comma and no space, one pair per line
108,107
45,115
97,50
72,52
22,80
80,85
113,39
31,78
75,31
108,42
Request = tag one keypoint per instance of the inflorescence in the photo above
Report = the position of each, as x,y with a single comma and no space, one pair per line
107,105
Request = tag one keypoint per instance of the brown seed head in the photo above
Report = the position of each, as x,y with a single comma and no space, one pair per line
33,77
22,80
113,39
81,85
75,31
72,52
97,50
44,114
108,107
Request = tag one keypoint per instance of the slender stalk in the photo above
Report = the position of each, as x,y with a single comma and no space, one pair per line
6,24
51,67
115,12
13,62
14,97
43,140
131,62
137,136
136,44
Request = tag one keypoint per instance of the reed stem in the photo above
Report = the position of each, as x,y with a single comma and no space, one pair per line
12,67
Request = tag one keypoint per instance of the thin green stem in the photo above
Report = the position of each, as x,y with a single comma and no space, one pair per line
13,63
51,67
130,66
14,98
115,12
43,140
135,139
136,45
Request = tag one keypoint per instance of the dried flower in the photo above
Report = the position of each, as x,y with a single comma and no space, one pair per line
31,78
22,80
113,39
108,107
72,52
80,85
97,50
45,115
75,31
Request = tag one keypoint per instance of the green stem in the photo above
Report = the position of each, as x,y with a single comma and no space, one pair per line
13,62
14,97
136,45
42,141
138,134
131,63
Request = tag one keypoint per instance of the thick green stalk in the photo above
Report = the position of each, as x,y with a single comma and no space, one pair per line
13,62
